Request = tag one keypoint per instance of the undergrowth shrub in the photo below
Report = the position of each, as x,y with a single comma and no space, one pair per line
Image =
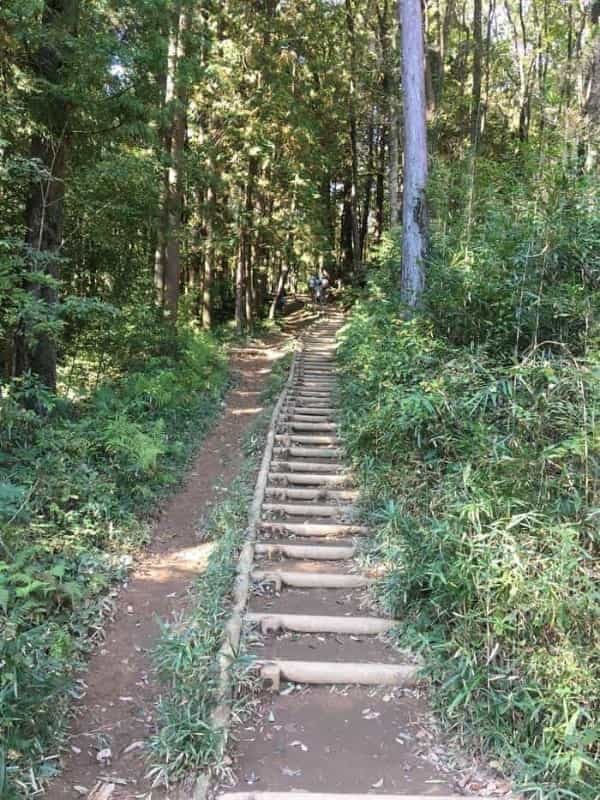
477,442
75,488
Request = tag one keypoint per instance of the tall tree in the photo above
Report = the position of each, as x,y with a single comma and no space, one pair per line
50,107
414,208
167,266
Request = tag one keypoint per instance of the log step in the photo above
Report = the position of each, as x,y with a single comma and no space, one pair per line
333,672
283,493
315,552
300,438
309,580
321,400
308,452
311,411
295,416
313,529
307,623
308,479
303,425
306,510
307,467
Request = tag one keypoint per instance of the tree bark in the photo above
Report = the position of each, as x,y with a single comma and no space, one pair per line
209,258
167,257
380,186
414,216
353,129
369,179
35,351
477,61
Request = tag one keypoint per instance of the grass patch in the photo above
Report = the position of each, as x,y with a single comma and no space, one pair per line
76,487
186,655
482,476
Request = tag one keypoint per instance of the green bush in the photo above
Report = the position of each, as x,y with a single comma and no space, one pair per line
74,488
479,452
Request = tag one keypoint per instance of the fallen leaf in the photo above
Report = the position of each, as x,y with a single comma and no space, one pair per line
301,745
102,791
133,746
104,755
292,773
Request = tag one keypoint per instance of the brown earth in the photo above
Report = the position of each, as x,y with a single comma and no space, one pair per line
116,713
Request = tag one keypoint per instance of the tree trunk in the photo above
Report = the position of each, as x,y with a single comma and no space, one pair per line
167,258
209,258
280,287
239,290
414,208
353,139
388,44
35,351
380,187
477,60
366,210
346,238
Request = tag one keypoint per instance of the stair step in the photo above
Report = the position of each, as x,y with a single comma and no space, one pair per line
306,510
308,466
307,425
309,580
308,452
283,493
310,411
334,672
313,529
308,479
314,552
300,438
307,623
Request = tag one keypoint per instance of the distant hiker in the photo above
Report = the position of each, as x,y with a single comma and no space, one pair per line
314,284
281,300
325,284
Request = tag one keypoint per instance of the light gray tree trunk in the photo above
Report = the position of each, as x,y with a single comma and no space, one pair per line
414,208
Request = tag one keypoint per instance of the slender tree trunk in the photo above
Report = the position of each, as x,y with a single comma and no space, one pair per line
278,292
209,259
44,211
388,40
414,216
380,187
353,138
366,210
346,237
239,289
477,61
167,264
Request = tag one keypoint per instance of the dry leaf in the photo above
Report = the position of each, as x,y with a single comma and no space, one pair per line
133,746
301,745
104,755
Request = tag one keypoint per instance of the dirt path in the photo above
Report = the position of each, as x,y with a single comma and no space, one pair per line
345,713
116,712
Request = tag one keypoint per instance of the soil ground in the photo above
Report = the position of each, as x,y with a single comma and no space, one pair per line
116,712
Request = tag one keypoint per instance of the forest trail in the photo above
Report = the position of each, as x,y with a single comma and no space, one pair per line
346,714
120,691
